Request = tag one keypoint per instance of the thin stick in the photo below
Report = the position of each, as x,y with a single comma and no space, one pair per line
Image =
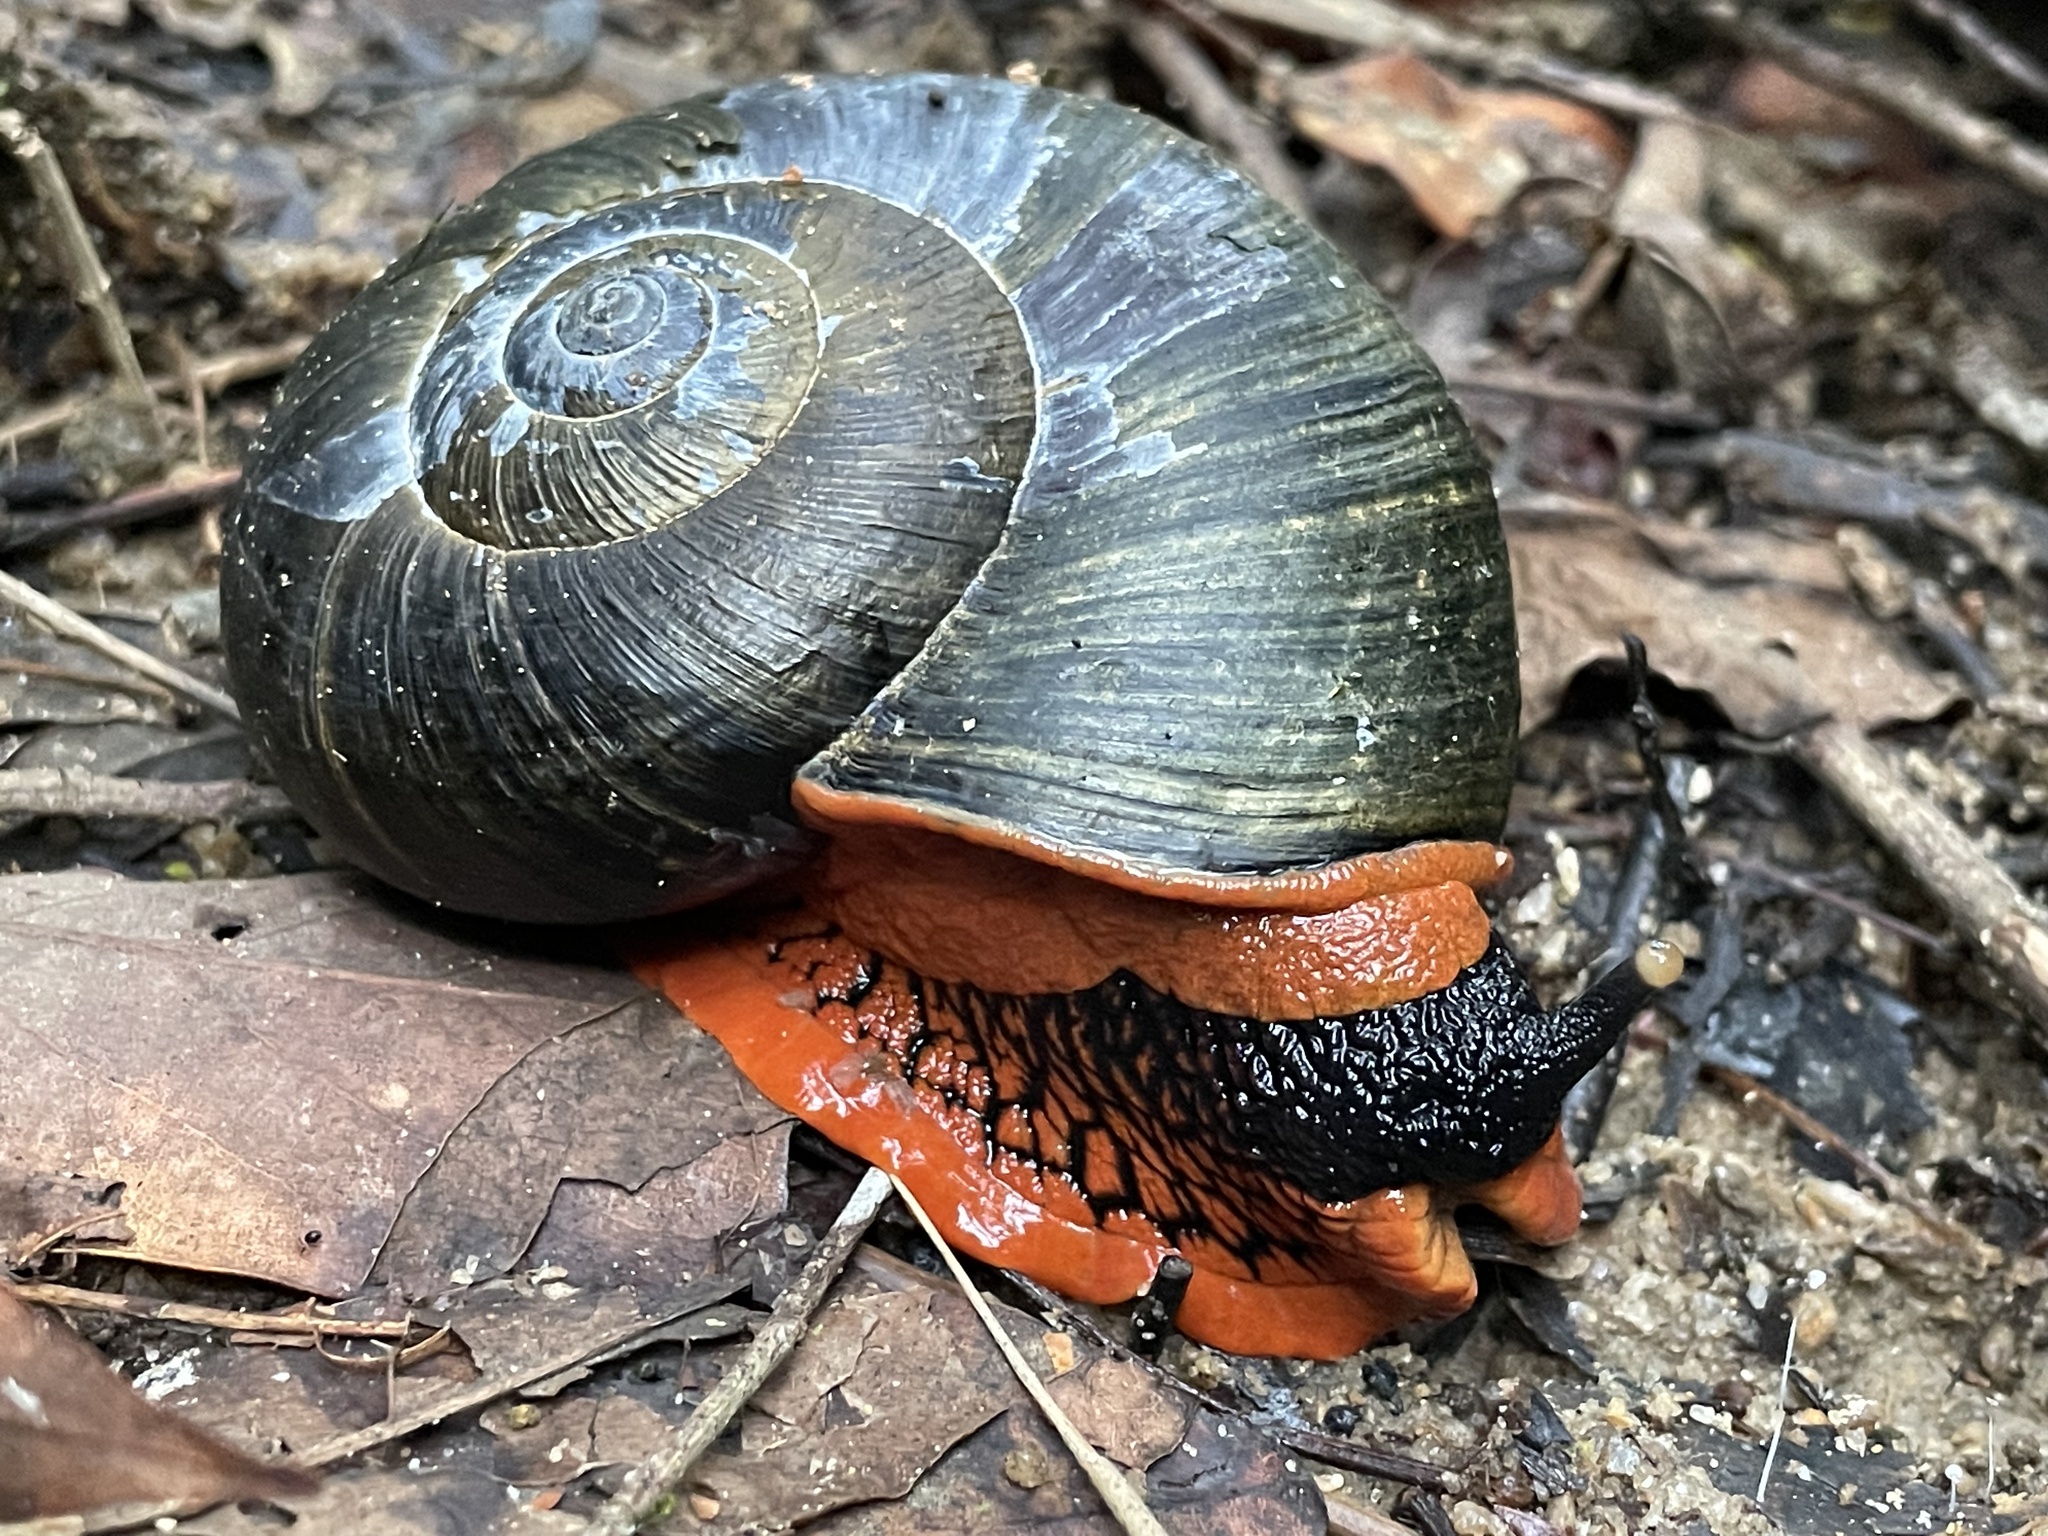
1896,1189
22,667
649,1489
1244,137
195,393
1665,410
1792,880
29,530
1981,900
72,1299
55,616
1976,38
1122,1499
1377,25
1898,92
78,792
91,288
1778,1428
486,1389
214,374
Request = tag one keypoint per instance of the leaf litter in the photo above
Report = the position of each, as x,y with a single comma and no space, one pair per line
1761,370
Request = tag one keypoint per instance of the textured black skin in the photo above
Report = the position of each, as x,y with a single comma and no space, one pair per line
1456,1087
1081,493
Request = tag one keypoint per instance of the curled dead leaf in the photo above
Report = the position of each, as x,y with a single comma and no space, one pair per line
1461,153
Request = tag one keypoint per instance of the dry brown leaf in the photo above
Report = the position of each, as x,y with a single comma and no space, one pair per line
620,1152
882,1385
1014,1476
1126,1412
671,1225
1716,315
1775,655
402,1500
1461,153
257,1062
74,1436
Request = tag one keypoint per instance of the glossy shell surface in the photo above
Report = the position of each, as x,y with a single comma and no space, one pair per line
967,451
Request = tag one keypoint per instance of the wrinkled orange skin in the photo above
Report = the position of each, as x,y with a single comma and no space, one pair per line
1402,925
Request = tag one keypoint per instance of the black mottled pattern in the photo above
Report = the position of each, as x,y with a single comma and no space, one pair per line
1148,1104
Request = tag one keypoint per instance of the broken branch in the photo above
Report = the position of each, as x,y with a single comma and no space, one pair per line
1980,898
1246,139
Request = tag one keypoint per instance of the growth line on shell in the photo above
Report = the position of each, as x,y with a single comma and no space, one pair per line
1123,1500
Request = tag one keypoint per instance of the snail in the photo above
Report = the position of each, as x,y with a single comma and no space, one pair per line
1017,607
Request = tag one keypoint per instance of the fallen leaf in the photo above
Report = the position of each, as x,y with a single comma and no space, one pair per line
1718,318
1126,1412
1774,655
618,1152
257,1062
401,1501
674,1224
1462,153
882,1386
1224,1481
74,1436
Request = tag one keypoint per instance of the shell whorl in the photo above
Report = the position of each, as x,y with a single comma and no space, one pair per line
946,442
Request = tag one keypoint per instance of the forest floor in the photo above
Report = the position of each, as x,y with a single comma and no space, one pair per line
1748,305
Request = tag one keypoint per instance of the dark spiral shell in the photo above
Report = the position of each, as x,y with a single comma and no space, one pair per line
944,440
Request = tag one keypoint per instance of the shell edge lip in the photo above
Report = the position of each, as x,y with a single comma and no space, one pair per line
1315,888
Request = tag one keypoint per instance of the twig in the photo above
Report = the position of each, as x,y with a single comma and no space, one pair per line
1244,137
1665,410
2020,707
31,530
488,1389
195,392
72,1299
1896,1189
1981,900
1778,1426
91,288
649,1489
1904,95
1803,885
78,792
1845,481
1977,39
1659,834
1376,25
1348,1519
214,374
1123,1500
21,666
55,616
1201,18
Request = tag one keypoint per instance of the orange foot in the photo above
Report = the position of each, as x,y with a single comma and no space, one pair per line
1037,1180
